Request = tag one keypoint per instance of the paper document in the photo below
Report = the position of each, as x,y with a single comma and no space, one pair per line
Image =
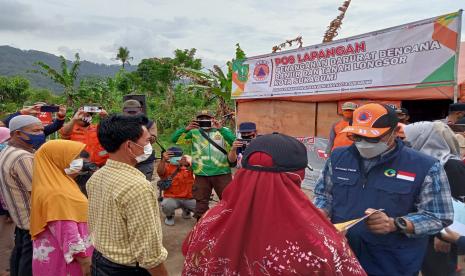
459,218
344,226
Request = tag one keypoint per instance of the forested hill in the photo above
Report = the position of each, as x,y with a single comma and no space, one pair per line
14,62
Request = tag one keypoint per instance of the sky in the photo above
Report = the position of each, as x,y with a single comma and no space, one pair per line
155,28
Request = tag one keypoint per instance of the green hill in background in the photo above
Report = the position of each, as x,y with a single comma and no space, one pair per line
17,62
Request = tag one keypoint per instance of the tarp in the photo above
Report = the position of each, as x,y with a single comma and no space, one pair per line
427,48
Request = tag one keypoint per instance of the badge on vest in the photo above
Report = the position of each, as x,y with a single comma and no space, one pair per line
400,174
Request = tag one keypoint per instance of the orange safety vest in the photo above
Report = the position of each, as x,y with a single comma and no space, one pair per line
88,136
341,139
181,186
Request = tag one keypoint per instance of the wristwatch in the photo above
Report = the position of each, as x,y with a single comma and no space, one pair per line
401,224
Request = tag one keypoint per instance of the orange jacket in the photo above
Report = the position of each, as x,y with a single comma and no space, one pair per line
341,139
181,187
88,136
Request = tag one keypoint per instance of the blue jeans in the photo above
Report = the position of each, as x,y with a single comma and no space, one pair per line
101,266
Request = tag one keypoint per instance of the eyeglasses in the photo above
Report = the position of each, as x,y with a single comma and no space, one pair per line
358,138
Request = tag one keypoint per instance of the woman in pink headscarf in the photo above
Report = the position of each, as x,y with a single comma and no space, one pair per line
265,224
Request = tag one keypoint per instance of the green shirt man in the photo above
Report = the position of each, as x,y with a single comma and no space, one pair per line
210,165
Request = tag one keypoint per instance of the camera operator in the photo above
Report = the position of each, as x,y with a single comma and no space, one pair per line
248,131
35,111
210,158
81,129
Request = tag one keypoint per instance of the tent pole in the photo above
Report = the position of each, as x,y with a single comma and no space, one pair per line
457,55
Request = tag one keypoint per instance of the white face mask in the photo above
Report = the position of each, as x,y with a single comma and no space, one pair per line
370,150
147,152
75,166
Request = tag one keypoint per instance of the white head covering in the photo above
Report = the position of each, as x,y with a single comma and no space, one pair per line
21,121
435,139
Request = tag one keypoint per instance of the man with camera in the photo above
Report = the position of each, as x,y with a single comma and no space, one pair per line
248,131
40,109
176,182
81,129
210,159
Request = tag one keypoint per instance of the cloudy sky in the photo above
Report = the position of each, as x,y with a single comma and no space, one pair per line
151,28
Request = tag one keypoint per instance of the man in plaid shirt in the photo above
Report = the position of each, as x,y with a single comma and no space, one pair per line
379,172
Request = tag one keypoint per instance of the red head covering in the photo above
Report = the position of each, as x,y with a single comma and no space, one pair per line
265,225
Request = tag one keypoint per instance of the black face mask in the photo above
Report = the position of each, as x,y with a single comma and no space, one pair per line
248,137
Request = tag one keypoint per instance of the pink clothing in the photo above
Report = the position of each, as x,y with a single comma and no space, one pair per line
55,249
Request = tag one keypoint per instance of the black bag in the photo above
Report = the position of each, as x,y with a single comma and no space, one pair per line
165,184
218,147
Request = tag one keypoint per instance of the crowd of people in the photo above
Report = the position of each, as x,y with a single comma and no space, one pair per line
86,203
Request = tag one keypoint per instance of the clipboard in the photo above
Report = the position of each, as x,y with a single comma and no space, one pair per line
344,226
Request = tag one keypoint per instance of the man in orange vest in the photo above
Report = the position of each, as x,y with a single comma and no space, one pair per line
81,129
336,137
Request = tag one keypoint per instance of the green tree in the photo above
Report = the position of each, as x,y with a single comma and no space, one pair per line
186,58
13,92
215,81
65,77
100,91
43,95
123,55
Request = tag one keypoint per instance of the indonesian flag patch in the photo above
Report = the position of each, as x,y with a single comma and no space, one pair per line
406,175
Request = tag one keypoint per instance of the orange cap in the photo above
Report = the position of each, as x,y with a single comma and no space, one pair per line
372,120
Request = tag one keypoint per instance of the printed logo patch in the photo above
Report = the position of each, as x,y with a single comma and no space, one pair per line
364,117
390,172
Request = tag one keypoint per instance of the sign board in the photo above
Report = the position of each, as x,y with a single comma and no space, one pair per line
418,54
316,159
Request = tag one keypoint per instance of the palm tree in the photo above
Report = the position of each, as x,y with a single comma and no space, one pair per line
214,81
66,78
123,56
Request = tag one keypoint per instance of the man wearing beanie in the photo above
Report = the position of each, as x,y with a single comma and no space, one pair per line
27,135
409,189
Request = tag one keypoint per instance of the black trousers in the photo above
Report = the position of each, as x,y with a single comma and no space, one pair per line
101,266
21,256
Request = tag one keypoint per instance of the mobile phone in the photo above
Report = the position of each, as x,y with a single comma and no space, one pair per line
204,123
49,108
245,143
92,109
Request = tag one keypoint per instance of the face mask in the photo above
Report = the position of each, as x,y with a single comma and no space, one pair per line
75,166
247,137
175,160
147,152
370,150
35,140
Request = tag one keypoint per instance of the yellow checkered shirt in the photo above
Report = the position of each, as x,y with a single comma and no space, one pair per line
124,218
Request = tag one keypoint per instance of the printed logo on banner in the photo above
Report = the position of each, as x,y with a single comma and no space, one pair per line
262,70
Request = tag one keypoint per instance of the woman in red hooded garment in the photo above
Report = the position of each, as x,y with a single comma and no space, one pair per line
265,224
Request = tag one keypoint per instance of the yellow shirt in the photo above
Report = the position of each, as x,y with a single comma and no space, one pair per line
124,218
